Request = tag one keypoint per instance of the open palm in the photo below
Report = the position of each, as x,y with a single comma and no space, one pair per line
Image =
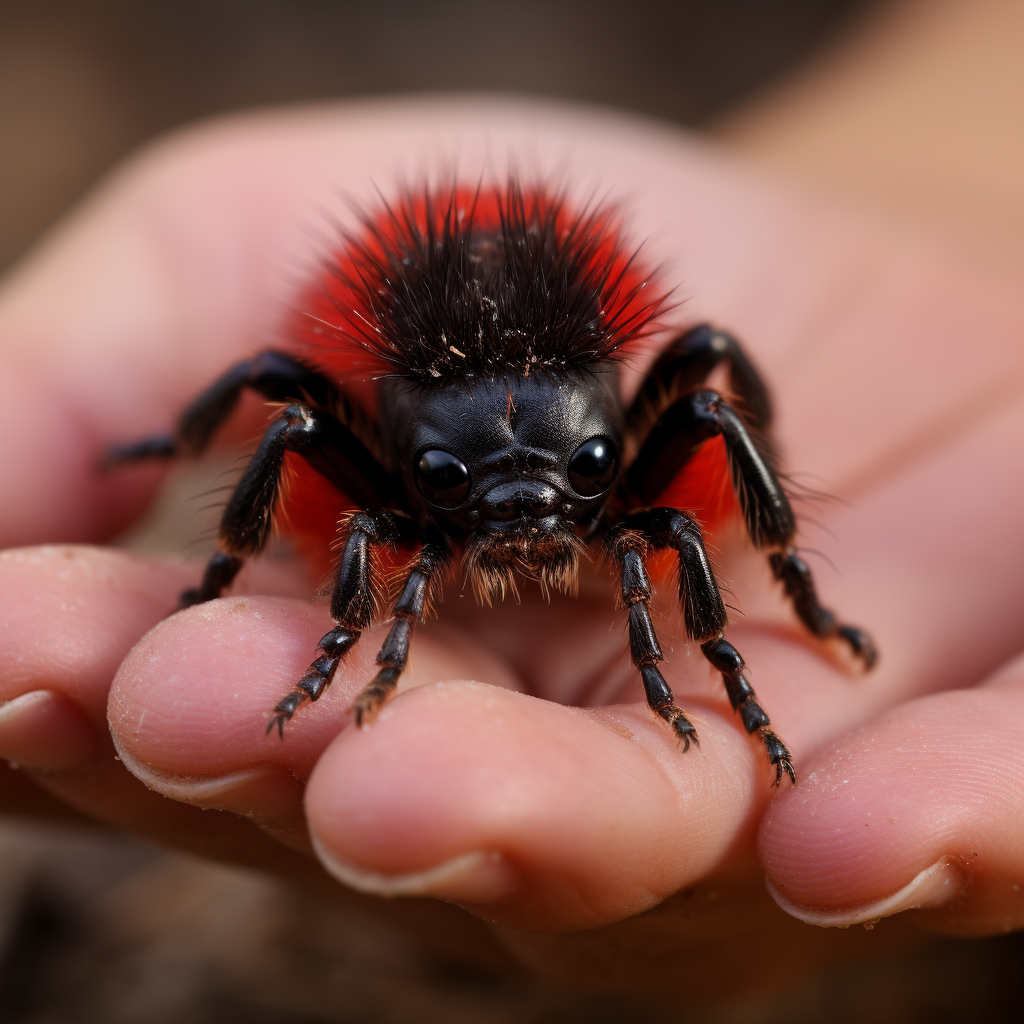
519,772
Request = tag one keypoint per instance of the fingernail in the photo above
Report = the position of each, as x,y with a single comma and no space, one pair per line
934,887
45,732
269,797
476,877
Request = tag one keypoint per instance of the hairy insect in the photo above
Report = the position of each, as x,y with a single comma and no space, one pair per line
482,332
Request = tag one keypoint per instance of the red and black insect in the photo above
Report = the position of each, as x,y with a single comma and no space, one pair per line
483,331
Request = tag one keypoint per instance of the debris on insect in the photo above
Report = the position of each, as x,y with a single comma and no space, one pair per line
490,324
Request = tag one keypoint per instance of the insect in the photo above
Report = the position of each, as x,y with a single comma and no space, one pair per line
450,399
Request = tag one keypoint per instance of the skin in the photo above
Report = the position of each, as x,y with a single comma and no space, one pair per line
518,773
911,110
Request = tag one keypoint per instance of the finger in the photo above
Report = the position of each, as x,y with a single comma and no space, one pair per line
921,809
71,614
70,617
531,814
598,813
192,702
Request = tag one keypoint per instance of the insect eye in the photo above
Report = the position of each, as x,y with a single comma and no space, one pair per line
442,479
592,469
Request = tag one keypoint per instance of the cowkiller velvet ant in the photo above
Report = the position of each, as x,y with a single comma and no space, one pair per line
451,399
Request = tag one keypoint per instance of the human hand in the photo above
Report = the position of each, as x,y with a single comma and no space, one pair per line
557,800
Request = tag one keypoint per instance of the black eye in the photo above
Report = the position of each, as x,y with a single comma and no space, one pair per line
592,469
442,479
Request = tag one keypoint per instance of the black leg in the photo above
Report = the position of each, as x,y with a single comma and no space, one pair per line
682,428
680,431
703,609
795,575
728,661
628,547
687,363
334,646
353,606
329,447
705,618
220,573
411,607
275,375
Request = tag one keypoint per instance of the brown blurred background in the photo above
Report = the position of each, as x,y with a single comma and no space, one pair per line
100,928
82,84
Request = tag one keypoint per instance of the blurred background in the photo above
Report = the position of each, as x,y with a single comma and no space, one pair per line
83,84
95,927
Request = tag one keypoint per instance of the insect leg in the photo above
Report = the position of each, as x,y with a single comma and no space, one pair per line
275,375
411,607
705,618
795,575
682,428
352,607
329,447
689,360
628,548
730,663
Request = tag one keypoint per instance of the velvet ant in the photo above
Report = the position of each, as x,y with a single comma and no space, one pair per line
487,326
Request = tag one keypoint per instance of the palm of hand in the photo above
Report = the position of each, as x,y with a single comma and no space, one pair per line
540,817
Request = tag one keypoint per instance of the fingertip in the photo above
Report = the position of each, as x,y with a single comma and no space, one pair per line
565,818
72,613
193,702
934,887
821,843
44,731
917,810
193,697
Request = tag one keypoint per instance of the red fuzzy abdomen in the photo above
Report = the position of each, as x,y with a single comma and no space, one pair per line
703,487
309,512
